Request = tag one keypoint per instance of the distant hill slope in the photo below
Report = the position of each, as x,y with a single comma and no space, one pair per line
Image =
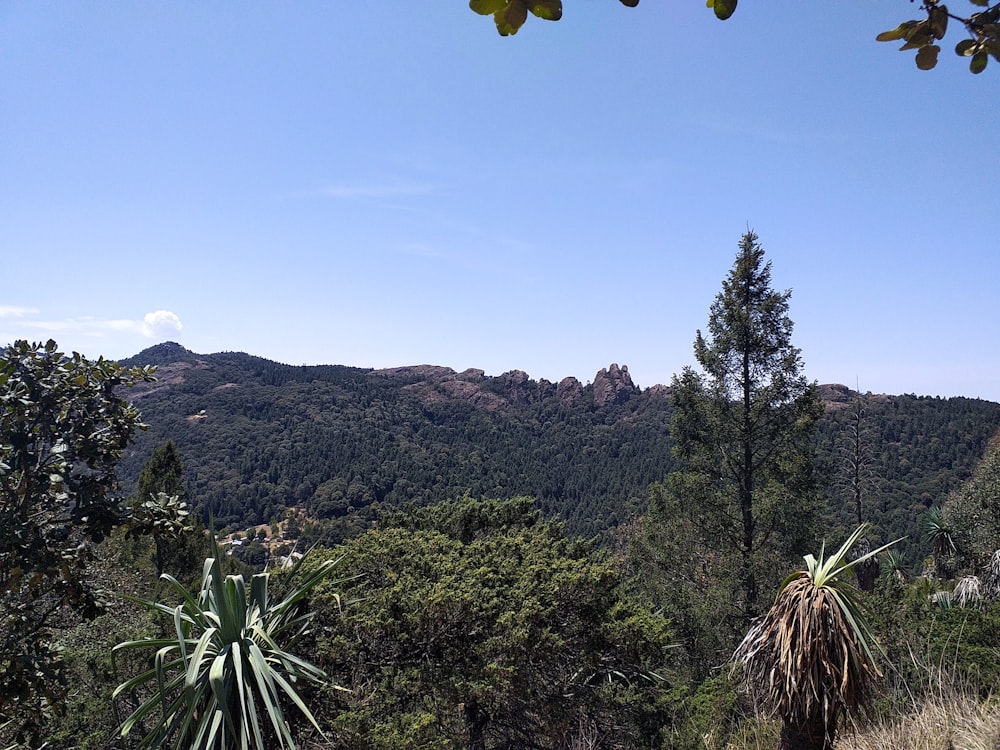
258,437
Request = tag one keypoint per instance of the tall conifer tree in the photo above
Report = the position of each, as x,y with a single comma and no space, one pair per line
743,430
160,495
163,472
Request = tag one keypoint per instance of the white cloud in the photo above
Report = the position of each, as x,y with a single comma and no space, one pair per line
160,323
10,311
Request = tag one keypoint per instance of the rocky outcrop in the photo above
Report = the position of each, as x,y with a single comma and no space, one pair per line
613,386
569,391
417,372
434,384
658,391
836,396
516,386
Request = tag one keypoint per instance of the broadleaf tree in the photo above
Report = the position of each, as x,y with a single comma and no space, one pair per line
922,34
63,427
743,432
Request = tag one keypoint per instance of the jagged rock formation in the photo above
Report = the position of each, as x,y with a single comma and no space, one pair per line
433,384
613,386
569,391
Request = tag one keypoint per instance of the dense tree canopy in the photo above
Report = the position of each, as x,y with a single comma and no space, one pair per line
972,513
259,437
479,625
338,443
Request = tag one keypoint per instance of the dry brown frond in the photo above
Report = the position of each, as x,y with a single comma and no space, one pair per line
991,577
968,592
804,656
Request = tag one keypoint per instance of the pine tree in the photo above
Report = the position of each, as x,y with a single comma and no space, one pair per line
159,501
743,431
163,472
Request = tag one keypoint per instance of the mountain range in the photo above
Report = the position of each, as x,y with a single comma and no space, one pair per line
337,444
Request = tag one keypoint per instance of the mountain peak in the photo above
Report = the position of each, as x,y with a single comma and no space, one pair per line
160,354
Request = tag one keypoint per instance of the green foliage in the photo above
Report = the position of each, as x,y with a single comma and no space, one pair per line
344,444
510,15
221,680
709,716
468,519
163,472
159,510
940,536
972,513
921,449
983,26
930,647
480,625
63,427
923,34
723,8
743,430
670,569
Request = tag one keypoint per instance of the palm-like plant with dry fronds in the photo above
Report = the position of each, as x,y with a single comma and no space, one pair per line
991,577
968,592
810,659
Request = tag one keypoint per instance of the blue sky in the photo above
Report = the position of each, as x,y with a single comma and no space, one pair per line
390,183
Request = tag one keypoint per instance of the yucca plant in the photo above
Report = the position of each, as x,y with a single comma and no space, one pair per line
968,592
991,577
937,530
220,681
893,567
810,659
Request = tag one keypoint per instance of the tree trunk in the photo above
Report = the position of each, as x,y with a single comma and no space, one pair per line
867,571
807,735
476,720
747,487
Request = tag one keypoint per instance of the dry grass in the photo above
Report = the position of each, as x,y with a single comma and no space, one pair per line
757,733
947,721
954,721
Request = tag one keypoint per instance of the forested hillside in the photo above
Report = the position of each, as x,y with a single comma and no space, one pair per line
258,437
